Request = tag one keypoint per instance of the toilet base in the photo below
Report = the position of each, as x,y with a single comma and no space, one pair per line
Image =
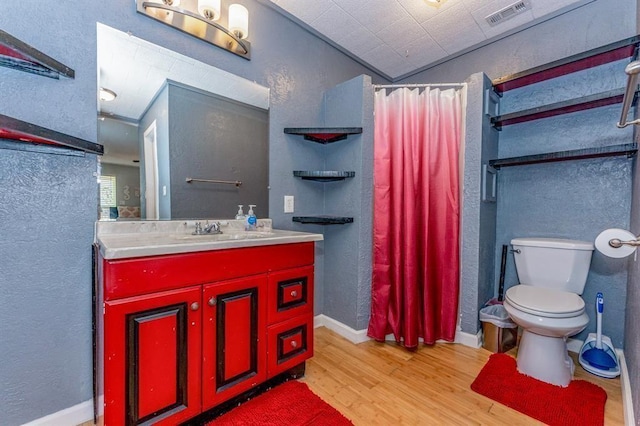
545,358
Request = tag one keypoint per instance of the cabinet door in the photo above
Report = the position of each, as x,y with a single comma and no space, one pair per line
234,334
290,294
152,358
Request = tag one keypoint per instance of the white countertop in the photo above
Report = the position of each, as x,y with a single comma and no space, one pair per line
121,240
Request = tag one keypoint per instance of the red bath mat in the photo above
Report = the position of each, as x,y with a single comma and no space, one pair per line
289,404
581,403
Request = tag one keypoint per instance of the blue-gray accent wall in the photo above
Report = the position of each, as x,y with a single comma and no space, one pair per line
348,248
297,67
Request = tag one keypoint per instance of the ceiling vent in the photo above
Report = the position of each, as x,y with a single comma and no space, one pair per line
508,12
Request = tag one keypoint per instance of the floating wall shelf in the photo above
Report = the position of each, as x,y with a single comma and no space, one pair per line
629,150
581,61
19,55
323,220
565,107
323,135
324,175
14,129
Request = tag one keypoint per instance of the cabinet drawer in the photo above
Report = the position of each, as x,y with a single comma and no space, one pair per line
290,294
289,343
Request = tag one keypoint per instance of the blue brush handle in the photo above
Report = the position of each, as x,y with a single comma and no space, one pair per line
599,303
599,310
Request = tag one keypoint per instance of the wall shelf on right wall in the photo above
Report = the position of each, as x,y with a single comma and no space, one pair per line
628,149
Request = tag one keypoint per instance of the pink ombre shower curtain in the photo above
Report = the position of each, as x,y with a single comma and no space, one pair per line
416,215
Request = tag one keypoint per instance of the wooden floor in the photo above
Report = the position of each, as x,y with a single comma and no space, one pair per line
383,384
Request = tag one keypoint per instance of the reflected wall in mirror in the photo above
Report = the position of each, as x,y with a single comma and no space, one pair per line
175,118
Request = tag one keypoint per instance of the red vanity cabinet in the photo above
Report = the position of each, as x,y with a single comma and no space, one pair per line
182,333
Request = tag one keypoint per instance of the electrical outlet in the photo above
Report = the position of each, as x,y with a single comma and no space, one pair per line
288,203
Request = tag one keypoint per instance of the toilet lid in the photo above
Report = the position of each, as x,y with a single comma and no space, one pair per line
545,302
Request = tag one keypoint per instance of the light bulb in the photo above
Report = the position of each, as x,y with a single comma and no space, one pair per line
239,20
210,9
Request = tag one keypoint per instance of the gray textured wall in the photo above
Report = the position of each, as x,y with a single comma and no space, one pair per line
294,64
478,217
347,289
632,319
48,203
125,176
211,137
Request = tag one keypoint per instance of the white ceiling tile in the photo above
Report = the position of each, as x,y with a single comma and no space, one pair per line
306,10
421,11
335,23
374,14
424,51
361,41
402,32
454,29
388,61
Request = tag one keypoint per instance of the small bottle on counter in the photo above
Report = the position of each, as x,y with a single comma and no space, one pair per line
240,215
252,220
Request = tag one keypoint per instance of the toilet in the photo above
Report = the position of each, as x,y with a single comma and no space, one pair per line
547,304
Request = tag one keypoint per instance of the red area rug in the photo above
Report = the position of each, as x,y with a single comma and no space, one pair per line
289,404
581,403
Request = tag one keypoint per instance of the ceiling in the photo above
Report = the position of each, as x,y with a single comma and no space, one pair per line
398,38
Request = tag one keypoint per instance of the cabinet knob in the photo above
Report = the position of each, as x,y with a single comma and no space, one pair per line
212,301
294,344
195,306
294,293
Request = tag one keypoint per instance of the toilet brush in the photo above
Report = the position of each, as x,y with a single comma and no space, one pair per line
597,356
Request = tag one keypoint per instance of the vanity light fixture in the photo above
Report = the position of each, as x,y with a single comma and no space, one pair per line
107,95
205,20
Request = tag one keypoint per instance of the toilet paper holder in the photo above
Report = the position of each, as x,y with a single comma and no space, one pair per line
617,243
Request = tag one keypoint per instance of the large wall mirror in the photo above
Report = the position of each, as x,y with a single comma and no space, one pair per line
182,139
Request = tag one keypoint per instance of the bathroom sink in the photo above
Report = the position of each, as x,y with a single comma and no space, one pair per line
242,235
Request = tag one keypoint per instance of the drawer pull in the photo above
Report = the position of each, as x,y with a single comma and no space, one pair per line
195,306
294,293
294,344
212,301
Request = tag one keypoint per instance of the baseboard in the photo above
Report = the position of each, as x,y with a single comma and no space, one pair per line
468,339
359,336
574,345
71,416
354,336
627,401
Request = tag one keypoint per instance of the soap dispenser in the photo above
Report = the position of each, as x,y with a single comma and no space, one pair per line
240,214
252,220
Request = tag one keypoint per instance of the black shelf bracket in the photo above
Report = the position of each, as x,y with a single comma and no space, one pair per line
323,135
323,220
629,150
323,175
19,55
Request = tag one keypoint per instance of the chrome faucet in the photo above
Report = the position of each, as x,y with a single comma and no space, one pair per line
209,228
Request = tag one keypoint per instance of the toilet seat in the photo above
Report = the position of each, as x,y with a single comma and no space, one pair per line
545,302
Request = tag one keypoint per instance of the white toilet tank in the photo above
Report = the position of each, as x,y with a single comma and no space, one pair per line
552,262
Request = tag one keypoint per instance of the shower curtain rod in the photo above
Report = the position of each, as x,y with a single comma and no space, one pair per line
398,86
